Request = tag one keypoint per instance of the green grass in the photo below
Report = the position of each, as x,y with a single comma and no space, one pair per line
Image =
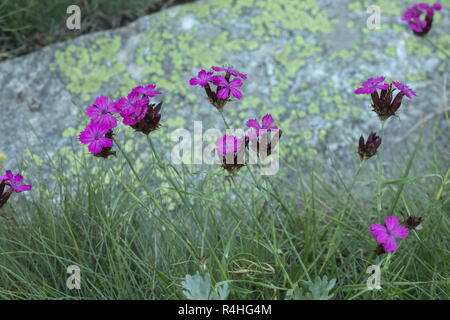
138,236
27,25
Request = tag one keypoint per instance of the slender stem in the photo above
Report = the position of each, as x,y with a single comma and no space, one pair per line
130,164
128,160
444,182
380,169
224,120
158,158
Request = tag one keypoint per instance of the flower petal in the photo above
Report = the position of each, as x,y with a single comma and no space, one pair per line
223,93
379,232
390,245
236,93
253,123
267,120
391,223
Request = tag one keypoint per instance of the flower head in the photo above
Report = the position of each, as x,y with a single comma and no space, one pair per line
414,16
386,234
204,77
147,91
408,92
266,121
372,85
225,87
94,135
370,147
101,112
125,106
231,72
232,151
134,114
14,181
383,103
227,144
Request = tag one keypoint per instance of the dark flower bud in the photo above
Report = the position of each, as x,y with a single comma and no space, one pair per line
151,120
413,222
369,148
4,198
2,187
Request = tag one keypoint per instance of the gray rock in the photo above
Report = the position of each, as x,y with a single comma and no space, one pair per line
304,60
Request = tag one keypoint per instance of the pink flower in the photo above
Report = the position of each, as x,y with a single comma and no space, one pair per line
231,71
405,89
228,144
148,91
100,112
134,114
371,85
15,182
203,79
128,105
413,16
94,137
226,87
385,235
267,122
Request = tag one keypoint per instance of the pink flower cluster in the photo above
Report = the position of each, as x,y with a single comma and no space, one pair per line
232,148
226,86
135,111
14,182
384,104
414,16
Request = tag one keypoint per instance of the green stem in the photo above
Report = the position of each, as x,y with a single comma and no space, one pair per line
380,169
444,182
151,195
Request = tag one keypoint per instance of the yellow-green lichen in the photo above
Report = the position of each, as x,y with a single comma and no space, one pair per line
88,68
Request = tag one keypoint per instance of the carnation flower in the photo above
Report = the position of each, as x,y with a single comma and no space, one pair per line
264,137
413,15
134,114
267,122
385,234
126,106
371,85
227,144
14,182
94,135
225,86
203,79
232,151
101,112
383,103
